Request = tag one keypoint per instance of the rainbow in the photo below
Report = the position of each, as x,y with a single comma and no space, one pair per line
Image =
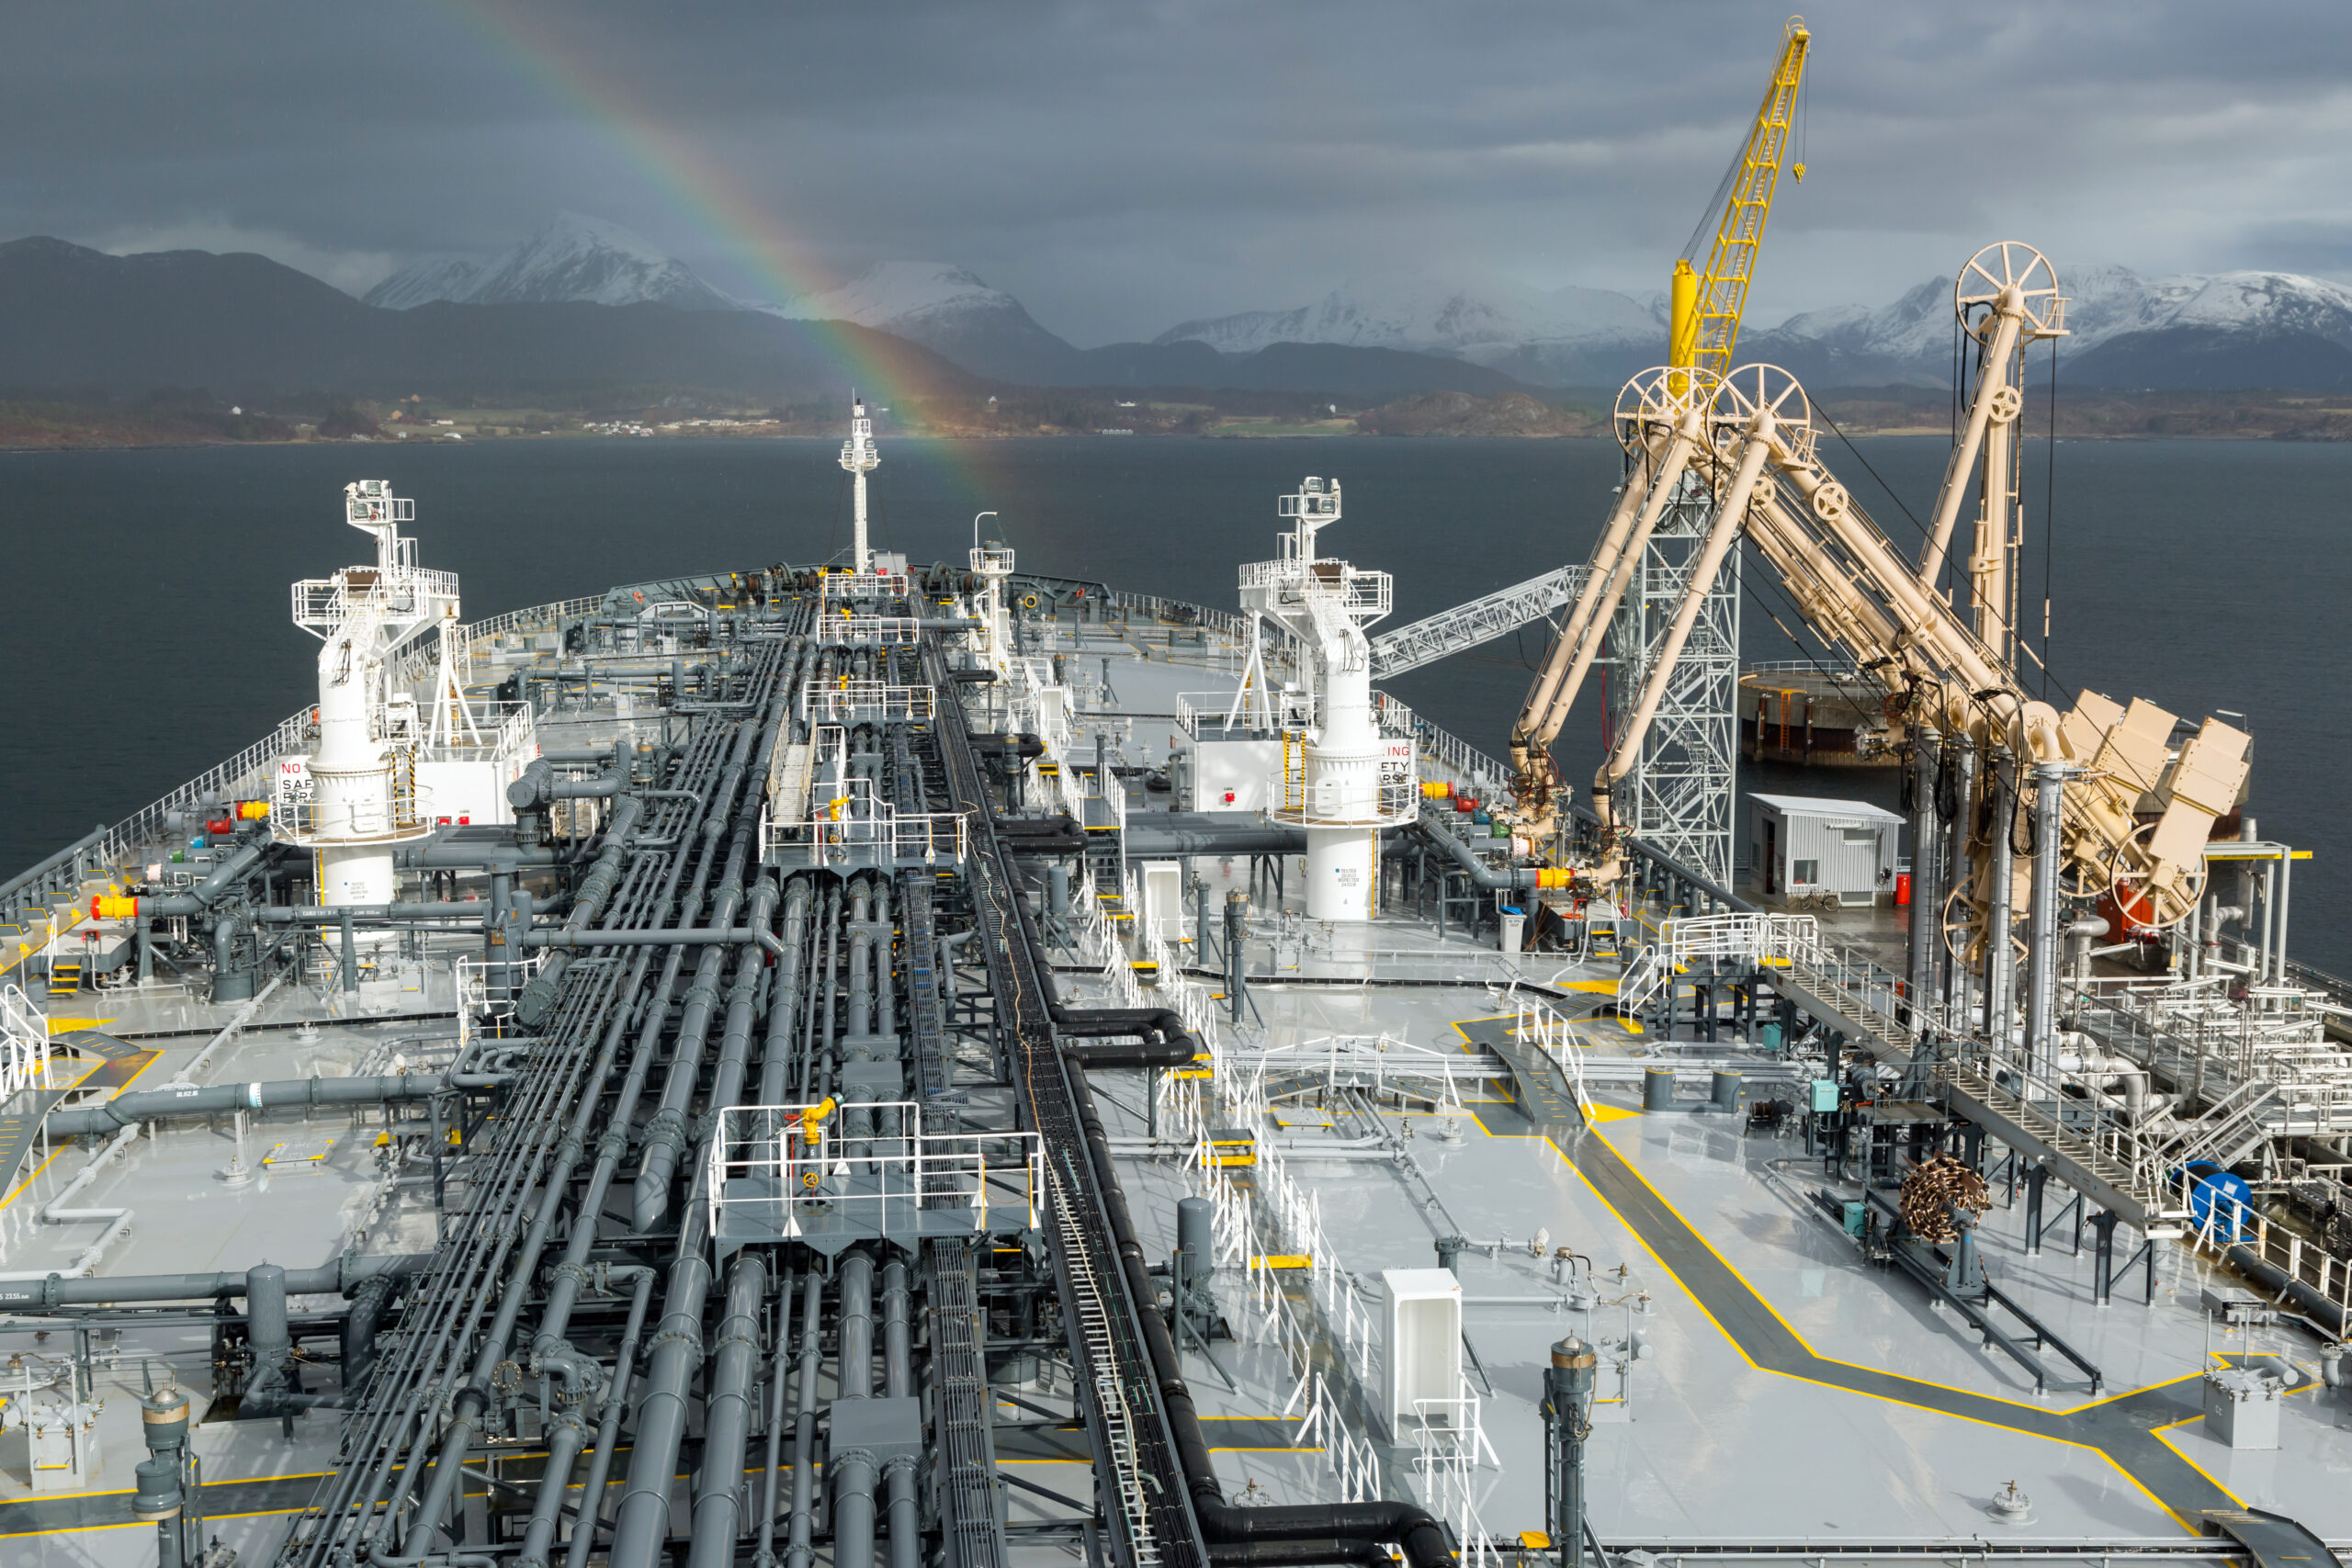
695,184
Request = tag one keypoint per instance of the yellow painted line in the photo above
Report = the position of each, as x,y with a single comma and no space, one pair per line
1609,1113
1858,1366
1597,988
2158,1433
14,1192
1282,1261
67,1025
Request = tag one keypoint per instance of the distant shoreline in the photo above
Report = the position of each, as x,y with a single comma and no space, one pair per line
196,419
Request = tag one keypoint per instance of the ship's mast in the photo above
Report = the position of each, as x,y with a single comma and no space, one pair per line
860,459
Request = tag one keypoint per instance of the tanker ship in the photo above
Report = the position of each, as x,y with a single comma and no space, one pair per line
939,1063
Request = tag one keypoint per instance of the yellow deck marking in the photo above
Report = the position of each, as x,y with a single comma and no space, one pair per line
1807,1346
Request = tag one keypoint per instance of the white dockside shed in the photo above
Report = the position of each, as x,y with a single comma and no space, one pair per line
1844,848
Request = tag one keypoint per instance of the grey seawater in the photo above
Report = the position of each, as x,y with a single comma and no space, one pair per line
150,637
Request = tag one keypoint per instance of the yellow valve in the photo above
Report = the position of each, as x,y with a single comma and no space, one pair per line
813,1116
252,810
113,907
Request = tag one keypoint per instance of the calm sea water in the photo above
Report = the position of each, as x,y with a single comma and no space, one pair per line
151,636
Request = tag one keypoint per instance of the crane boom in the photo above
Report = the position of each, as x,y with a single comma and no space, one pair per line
1705,308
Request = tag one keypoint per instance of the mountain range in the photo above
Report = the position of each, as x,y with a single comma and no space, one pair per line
575,259
78,320
586,304
2226,330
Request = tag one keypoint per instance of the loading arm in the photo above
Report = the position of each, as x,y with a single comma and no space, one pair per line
1858,592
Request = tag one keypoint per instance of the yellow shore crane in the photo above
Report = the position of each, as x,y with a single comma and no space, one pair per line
1703,328
1703,309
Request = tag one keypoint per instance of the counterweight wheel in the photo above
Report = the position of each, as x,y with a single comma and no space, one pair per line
2144,903
1963,925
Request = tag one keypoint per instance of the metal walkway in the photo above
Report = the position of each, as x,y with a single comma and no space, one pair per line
1140,1484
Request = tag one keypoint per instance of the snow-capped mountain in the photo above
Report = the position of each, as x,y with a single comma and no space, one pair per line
2268,328
949,311
2191,330
1529,332
575,258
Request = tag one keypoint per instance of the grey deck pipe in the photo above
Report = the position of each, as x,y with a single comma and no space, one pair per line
727,1418
539,996
342,1276
564,1291
472,1399
666,1134
608,1421
779,1381
784,996
642,1527
852,1472
148,1105
899,1383
798,1553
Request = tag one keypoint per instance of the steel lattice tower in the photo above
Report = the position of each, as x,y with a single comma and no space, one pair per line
1678,796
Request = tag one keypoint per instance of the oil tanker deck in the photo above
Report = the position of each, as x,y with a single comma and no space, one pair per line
945,1065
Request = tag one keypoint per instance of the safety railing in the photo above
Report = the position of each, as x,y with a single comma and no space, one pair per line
1272,1319
324,603
863,829
1177,611
1544,1026
24,1045
840,586
868,702
250,774
1449,1440
1470,771
1381,1064
2220,1220
871,1163
887,631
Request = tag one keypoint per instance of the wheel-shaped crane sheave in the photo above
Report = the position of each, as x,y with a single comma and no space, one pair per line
1756,389
2015,271
1650,406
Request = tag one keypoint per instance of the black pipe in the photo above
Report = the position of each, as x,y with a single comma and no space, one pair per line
1165,1040
1002,743
1306,1552
2270,1277
972,677
1036,826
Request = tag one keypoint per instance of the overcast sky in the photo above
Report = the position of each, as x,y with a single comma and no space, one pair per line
1121,166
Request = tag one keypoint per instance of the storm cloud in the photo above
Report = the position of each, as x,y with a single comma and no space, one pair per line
1122,167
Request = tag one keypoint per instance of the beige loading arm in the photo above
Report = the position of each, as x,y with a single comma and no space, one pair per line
1614,562
2123,750
1971,441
